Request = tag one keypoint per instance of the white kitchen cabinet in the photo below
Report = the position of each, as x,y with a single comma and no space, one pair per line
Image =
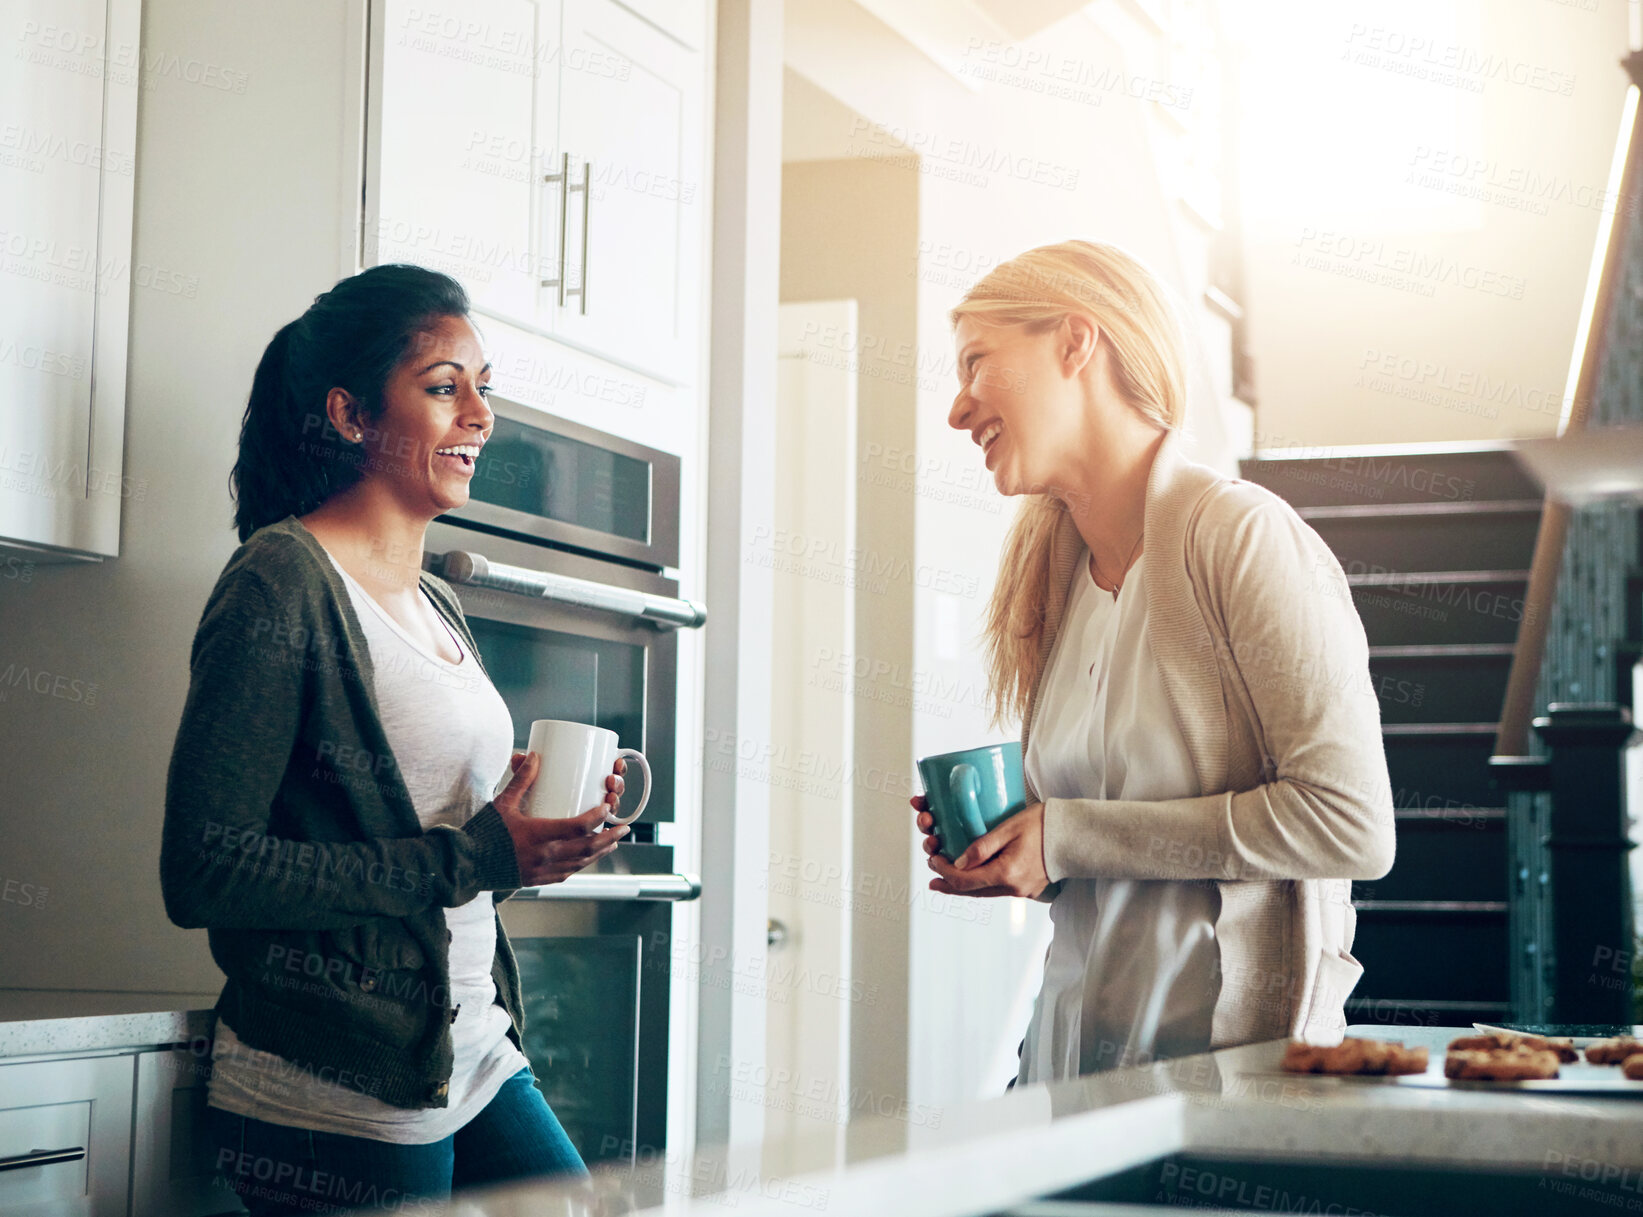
65,1137
635,136
173,1168
685,20
552,156
114,1135
453,176
68,95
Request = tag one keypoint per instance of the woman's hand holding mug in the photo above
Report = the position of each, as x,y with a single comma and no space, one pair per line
977,798
1007,861
551,850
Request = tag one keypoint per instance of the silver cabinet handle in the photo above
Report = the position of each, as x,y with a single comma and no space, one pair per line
581,292
616,887
475,570
561,279
563,178
42,1157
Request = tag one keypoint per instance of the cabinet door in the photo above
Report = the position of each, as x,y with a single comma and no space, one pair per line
453,180
173,1165
68,97
686,20
75,1117
630,116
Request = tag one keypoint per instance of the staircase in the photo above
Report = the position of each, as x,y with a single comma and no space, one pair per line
1436,547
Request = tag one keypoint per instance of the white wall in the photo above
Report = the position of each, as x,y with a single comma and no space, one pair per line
734,838
1418,249
974,965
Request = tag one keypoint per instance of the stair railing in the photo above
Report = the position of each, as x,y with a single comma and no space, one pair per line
1567,815
1591,342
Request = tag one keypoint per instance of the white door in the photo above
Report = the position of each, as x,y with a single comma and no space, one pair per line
454,181
810,991
631,121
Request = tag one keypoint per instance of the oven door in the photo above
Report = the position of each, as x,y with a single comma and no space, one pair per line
568,636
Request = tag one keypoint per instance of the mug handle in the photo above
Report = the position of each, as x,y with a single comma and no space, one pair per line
964,784
633,754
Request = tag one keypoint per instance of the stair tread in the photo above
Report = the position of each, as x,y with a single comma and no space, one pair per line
1448,813
1443,650
1407,729
1392,578
1379,473
1381,511
1429,1003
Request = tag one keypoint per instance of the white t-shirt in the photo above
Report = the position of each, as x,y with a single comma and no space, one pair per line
1133,967
452,735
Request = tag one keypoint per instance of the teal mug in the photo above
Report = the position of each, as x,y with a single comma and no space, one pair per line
971,792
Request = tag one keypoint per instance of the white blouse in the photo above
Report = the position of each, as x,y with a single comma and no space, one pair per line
452,735
1133,969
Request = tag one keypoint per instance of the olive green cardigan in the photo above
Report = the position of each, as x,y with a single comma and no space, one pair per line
290,837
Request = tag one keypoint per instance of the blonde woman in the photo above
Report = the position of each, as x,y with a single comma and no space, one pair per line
1202,747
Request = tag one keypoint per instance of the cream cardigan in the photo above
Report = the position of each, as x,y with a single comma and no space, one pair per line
1267,669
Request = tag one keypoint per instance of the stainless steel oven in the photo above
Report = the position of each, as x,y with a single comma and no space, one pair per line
562,560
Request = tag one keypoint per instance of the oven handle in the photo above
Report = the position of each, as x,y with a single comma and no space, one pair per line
475,570
616,887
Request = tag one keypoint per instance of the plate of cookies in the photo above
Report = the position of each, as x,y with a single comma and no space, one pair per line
1492,1059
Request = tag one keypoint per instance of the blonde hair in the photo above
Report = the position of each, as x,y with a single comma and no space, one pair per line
1038,290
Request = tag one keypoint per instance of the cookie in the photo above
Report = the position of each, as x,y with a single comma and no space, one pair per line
1354,1056
1406,1060
1614,1051
1519,1063
1492,1041
1632,1067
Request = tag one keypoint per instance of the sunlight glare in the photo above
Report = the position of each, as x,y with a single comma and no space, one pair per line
1343,104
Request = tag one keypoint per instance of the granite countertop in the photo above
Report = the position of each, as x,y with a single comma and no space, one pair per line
1036,1141
37,1022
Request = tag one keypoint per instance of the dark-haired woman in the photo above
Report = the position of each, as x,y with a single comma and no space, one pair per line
331,809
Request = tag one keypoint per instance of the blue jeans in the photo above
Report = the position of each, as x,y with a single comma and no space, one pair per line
278,1170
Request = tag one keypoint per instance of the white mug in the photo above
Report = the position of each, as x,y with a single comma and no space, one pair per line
575,761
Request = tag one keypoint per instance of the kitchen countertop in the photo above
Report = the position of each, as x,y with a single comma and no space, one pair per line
37,1022
1039,1140
986,1156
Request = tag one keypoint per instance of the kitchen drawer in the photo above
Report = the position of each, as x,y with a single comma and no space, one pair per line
82,1106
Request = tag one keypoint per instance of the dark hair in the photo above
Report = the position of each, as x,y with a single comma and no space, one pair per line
352,337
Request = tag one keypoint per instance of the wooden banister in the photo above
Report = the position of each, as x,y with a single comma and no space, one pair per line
1512,737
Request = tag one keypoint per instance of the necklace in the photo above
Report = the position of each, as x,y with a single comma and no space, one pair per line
1117,584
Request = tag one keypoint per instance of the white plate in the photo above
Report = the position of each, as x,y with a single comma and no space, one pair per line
1579,1041
1587,1079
